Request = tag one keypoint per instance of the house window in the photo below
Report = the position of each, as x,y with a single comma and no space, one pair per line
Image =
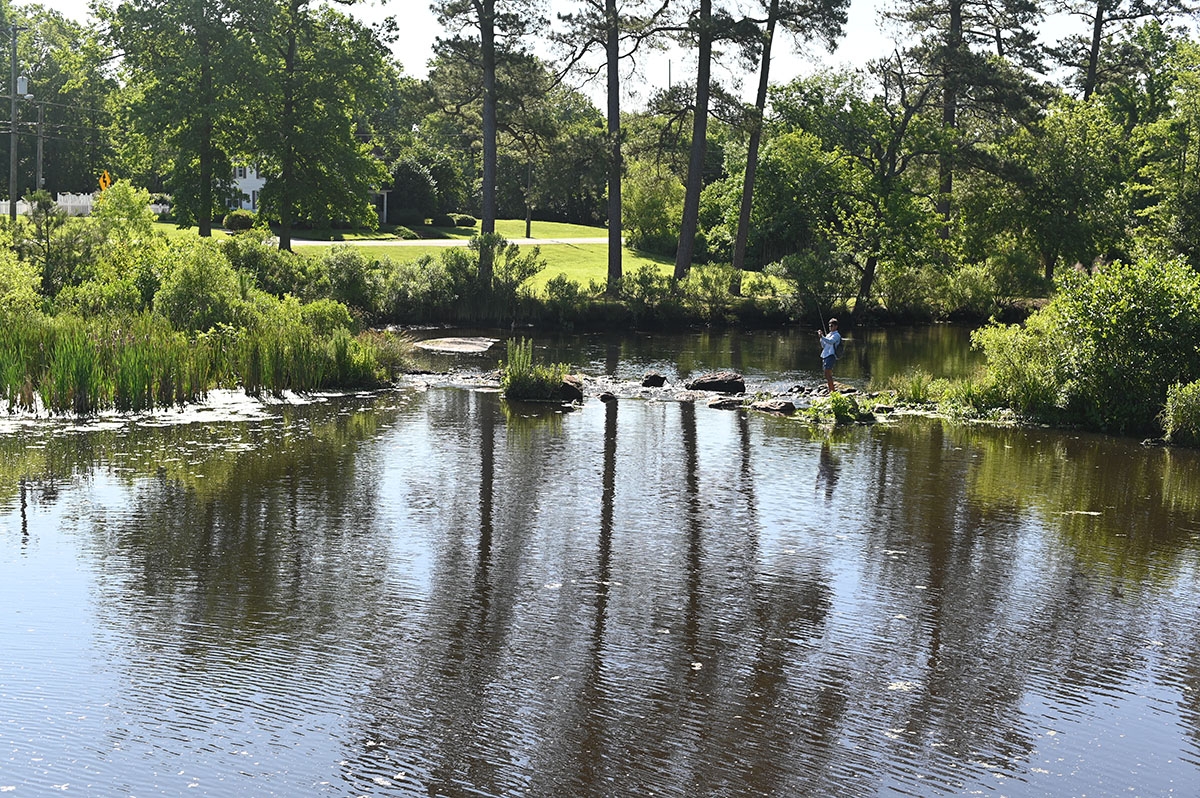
241,173
253,200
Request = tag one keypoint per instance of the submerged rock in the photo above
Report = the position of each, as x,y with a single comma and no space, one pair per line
718,382
726,403
653,380
781,406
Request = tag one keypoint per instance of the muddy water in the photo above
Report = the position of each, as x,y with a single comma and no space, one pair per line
432,592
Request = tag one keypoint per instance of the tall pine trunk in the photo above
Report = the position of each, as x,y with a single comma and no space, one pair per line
760,107
487,223
615,166
695,179
952,66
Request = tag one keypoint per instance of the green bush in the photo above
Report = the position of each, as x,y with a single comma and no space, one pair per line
916,387
202,291
646,290
238,220
1180,417
325,317
418,291
405,233
1106,348
442,220
522,379
564,298
706,291
355,280
464,220
275,271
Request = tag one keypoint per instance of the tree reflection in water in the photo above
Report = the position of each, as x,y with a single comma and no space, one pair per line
446,594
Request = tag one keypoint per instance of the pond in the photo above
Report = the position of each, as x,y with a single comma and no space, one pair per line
428,591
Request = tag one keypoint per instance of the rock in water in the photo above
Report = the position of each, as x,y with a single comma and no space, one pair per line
718,382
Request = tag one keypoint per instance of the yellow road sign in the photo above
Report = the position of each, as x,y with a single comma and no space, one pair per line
105,180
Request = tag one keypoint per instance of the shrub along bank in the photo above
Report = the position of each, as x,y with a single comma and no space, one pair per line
1113,350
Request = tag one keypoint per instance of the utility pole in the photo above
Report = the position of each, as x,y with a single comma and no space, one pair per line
37,183
12,133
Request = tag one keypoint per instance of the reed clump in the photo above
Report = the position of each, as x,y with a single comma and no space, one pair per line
141,363
523,379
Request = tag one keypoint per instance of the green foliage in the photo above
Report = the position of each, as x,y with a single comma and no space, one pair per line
1105,350
464,220
18,283
706,291
1180,417
355,280
202,291
837,408
59,247
274,270
393,351
647,291
523,379
325,317
917,386
564,298
651,203
1023,365
414,193
418,291
239,220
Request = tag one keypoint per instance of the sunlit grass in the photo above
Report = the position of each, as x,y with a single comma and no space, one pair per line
515,228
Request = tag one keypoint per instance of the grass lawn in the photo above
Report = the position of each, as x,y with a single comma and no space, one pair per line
582,263
515,228
509,228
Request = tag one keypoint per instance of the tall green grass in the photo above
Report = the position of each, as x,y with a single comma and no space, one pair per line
141,363
523,379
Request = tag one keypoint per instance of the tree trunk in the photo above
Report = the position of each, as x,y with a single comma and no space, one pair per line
760,106
204,216
952,64
1093,64
615,166
487,223
695,179
287,166
865,284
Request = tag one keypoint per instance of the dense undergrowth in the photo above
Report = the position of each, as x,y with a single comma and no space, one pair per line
1113,350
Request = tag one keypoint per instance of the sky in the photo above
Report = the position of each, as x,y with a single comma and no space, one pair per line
419,29
864,39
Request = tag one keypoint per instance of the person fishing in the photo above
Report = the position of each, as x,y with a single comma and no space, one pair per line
829,347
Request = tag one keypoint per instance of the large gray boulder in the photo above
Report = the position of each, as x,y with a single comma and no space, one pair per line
718,382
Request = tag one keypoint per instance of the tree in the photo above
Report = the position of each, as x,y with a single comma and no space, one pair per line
1104,18
189,60
823,18
980,51
497,28
1167,189
884,140
618,32
315,69
1073,169
71,78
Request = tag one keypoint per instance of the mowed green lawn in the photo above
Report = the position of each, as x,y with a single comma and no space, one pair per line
582,263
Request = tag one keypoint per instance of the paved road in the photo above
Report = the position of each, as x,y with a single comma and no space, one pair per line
445,242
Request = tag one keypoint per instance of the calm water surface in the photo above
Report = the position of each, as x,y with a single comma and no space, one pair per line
433,592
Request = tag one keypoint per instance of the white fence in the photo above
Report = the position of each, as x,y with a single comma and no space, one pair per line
73,204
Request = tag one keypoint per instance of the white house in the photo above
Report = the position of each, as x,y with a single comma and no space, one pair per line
249,182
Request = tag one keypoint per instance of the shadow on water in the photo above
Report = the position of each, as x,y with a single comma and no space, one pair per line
441,593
